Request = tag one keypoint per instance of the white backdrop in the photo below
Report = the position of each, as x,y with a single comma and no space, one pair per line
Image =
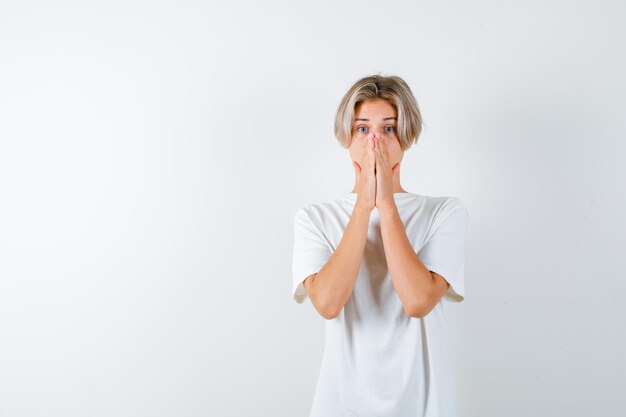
153,154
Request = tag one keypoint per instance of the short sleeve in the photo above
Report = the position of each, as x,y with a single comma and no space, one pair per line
311,251
444,252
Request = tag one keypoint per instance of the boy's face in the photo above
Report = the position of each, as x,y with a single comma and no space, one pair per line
374,118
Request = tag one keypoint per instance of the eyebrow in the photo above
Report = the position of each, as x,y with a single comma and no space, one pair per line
386,118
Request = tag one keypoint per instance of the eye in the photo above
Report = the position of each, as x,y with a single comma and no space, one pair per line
390,128
361,127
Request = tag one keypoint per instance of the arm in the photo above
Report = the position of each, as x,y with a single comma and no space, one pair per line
331,287
418,288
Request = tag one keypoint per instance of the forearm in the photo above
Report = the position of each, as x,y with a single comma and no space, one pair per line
334,283
411,279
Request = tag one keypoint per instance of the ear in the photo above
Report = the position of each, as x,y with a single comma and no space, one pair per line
356,166
396,168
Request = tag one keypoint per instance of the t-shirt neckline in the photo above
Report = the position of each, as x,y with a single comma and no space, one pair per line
398,197
399,194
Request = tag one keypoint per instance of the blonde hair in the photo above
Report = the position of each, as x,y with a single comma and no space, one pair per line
396,92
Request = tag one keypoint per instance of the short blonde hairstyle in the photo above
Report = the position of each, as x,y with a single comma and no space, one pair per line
396,92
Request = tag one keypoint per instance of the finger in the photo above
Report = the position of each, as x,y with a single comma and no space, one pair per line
377,160
374,156
383,147
371,153
381,155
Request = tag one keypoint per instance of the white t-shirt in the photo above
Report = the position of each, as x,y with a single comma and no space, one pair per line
378,361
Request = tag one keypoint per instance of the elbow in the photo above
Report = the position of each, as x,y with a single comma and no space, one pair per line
328,311
417,310
325,308
421,305
329,316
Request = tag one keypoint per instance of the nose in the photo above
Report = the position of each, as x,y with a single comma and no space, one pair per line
376,132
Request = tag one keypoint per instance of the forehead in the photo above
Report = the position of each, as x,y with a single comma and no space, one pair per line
374,109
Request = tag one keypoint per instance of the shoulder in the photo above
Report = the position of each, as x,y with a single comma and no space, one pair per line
316,212
451,204
441,207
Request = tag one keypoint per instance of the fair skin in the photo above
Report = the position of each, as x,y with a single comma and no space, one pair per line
376,155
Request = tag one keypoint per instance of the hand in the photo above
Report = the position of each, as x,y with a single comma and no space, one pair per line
366,179
386,175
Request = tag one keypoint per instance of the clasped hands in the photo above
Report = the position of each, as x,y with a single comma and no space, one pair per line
376,177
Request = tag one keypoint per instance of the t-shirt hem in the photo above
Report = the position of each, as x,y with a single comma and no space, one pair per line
299,290
452,294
